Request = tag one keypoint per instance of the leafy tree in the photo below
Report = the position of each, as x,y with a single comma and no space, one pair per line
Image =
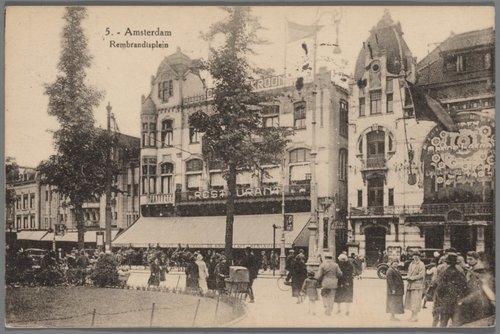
78,168
11,176
233,133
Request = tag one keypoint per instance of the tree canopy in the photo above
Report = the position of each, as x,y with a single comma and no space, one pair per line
233,133
77,169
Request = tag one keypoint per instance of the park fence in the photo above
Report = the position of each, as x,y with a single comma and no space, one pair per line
191,314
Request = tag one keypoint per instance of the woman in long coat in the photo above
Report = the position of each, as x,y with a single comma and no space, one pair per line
299,275
202,274
154,276
192,274
395,291
415,287
345,287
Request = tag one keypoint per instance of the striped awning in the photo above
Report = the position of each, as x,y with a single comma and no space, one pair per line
209,232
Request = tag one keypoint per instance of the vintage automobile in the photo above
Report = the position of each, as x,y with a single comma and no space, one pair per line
37,255
427,257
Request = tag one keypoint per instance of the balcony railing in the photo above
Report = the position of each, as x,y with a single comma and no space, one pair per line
424,209
157,199
373,163
249,192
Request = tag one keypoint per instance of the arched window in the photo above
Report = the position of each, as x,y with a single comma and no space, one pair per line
375,142
194,169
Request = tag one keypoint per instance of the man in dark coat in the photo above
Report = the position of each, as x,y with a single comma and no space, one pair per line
451,286
250,262
289,263
82,262
395,291
476,304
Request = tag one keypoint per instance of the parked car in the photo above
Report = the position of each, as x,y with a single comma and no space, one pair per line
426,255
37,255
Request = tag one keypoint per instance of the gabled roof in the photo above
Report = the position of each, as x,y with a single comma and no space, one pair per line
430,68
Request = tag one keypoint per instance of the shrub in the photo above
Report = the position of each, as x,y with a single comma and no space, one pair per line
105,272
49,276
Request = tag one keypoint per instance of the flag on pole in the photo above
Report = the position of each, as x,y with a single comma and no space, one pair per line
298,31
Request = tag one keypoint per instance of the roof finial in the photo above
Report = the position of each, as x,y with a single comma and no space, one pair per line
178,49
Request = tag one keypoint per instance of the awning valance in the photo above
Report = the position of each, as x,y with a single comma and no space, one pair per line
209,232
31,235
72,236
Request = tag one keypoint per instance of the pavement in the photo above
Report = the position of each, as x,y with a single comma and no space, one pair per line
275,308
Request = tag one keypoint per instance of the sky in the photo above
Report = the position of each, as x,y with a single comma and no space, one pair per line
33,37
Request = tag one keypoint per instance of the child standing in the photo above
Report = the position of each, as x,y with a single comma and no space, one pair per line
310,288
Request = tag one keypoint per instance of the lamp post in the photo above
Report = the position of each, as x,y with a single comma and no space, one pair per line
314,244
282,250
107,247
274,247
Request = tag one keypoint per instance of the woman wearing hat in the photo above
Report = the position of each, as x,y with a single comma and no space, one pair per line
345,287
202,274
395,291
415,287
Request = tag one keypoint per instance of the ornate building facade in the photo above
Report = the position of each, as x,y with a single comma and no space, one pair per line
177,182
413,151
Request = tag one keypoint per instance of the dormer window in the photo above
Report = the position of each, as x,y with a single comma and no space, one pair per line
165,90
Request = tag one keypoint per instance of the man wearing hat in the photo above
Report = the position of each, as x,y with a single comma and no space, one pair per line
416,279
451,287
328,275
250,262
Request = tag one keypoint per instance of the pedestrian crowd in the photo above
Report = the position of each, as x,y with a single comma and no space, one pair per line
336,281
462,290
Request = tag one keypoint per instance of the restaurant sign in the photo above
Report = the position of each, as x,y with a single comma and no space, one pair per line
248,192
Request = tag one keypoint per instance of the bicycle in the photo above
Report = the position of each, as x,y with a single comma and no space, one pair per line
283,284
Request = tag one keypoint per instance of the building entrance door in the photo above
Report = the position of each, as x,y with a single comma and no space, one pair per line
463,238
375,244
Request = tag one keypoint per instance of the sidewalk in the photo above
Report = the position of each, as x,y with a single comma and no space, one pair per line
276,308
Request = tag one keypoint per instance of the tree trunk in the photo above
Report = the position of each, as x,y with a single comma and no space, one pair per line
80,226
231,185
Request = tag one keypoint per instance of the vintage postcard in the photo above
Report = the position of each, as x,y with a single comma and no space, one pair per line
250,167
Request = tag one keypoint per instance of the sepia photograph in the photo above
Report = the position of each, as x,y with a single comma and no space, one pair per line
249,166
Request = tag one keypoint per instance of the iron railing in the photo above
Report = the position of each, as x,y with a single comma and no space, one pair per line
373,163
476,208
